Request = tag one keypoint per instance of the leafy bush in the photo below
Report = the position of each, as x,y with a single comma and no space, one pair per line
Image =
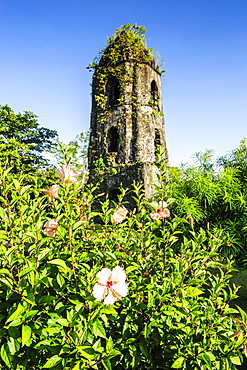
213,198
176,313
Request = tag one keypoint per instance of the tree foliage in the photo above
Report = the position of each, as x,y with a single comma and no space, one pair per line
22,142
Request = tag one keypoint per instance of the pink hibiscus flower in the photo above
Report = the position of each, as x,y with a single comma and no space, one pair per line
111,286
50,228
67,174
119,215
52,192
161,211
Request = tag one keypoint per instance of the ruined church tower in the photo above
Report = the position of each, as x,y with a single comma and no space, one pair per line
127,120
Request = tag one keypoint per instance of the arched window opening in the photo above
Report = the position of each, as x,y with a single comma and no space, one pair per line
113,140
154,92
157,140
113,195
113,91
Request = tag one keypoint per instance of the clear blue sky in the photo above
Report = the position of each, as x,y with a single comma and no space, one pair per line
47,44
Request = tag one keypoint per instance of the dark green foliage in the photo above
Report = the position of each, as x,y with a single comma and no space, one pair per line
175,315
22,142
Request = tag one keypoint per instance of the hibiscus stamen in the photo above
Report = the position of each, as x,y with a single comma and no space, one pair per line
109,284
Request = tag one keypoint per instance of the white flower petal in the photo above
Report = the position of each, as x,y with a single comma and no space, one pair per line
162,204
111,286
163,213
118,275
67,174
121,289
154,215
99,292
103,276
73,172
50,228
110,299
119,215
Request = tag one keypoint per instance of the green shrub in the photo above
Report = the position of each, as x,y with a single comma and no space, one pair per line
176,313
211,198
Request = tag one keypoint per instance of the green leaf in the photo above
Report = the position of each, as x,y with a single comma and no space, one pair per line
16,183
24,189
17,313
29,299
178,363
46,299
236,360
42,254
243,314
93,214
131,268
31,234
3,213
13,345
5,272
5,355
87,352
60,263
60,280
16,322
206,358
193,292
113,257
230,310
26,271
77,224
7,171
109,344
107,364
108,310
7,281
26,333
210,355
52,362
3,236
98,329
113,353
62,231
63,322
143,347
29,314
13,332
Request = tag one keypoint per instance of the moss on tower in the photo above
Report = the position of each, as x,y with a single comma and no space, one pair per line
127,121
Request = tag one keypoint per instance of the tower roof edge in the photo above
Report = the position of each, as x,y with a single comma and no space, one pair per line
126,46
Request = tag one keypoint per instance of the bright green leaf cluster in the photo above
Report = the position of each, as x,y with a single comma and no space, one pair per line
177,312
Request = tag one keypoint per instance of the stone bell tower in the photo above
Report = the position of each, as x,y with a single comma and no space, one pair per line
127,120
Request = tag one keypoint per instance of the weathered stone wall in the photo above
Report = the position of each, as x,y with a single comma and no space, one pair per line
131,109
